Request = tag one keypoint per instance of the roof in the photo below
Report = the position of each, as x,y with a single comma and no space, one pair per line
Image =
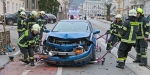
74,20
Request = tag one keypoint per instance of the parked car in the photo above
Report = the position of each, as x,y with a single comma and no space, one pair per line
10,19
148,17
70,43
51,18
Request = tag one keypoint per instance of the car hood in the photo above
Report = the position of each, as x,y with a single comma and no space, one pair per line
69,35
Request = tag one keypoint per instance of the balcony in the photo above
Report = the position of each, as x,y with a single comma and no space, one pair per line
140,2
133,2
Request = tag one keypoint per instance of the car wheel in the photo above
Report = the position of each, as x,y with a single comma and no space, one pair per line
51,21
94,55
10,22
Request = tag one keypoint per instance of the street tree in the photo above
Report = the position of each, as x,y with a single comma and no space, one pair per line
49,6
108,6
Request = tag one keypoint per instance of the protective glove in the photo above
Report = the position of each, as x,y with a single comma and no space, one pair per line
107,32
47,31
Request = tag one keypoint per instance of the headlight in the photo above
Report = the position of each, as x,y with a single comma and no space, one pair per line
79,50
43,56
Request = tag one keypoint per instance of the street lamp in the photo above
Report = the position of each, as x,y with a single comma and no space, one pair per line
52,9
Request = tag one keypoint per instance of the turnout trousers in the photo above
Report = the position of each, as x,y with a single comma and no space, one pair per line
141,49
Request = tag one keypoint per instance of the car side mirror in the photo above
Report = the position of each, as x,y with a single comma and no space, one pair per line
96,32
47,30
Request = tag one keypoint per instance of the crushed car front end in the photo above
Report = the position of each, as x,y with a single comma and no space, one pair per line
69,49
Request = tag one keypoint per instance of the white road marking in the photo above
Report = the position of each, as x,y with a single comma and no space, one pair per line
59,71
25,72
17,53
37,64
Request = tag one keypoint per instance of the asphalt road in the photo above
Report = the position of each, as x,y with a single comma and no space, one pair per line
17,68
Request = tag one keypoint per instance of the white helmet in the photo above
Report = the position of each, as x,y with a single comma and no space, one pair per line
34,13
132,12
42,12
22,9
36,27
118,16
22,13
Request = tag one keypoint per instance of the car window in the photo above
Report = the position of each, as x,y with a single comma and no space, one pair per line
72,27
148,18
27,13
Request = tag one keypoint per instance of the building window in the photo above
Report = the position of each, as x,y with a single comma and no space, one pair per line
7,6
37,4
12,7
27,4
33,4
16,6
23,4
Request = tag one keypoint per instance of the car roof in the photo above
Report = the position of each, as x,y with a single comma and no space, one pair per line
74,21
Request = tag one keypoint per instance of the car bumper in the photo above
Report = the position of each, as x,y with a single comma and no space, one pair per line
76,60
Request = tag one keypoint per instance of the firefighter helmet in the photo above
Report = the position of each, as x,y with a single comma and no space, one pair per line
34,13
118,16
22,13
140,10
132,12
22,9
42,12
36,27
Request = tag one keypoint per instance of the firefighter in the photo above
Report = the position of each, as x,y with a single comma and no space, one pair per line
114,30
42,23
128,33
20,10
31,20
21,23
143,33
25,42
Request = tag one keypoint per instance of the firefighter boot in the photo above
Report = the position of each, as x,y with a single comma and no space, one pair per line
26,61
120,65
32,62
138,59
143,62
108,46
118,61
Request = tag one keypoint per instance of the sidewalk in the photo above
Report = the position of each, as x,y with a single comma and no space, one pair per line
4,59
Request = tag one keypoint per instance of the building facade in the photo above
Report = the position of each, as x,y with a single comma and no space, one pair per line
12,6
31,5
94,7
146,8
119,6
134,4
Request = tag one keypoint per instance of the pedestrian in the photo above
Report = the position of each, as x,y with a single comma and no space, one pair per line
71,17
21,23
20,10
128,33
114,31
42,23
85,17
25,42
31,20
142,35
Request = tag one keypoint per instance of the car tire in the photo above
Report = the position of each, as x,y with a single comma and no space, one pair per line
94,55
10,22
51,21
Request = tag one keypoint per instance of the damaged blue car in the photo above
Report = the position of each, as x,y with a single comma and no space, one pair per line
70,43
